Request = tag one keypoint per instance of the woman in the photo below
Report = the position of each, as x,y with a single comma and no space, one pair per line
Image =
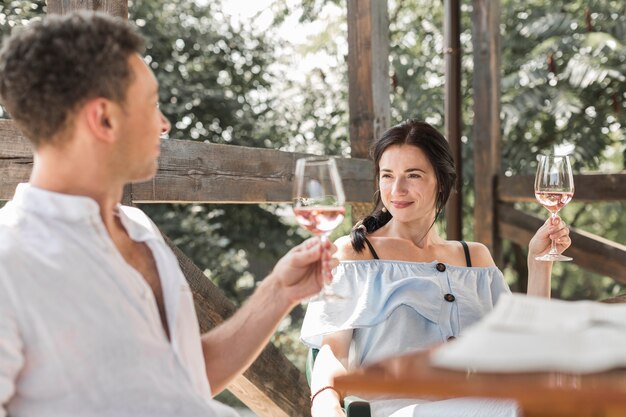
407,287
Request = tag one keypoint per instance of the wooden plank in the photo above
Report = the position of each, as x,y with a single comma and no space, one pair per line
114,7
368,73
16,158
199,172
203,172
452,112
589,251
589,187
486,129
272,386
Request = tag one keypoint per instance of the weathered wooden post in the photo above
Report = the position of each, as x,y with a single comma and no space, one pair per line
452,112
368,73
486,132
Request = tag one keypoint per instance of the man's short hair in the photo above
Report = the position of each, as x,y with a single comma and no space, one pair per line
51,67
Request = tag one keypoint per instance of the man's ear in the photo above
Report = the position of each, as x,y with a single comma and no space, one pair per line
99,116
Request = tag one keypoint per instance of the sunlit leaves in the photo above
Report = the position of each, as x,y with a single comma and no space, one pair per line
550,83
213,77
584,70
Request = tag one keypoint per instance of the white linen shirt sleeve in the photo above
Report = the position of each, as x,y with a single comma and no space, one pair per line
11,346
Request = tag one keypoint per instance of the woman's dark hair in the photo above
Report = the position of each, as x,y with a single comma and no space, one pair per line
437,150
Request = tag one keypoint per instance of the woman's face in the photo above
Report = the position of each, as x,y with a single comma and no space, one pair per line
408,184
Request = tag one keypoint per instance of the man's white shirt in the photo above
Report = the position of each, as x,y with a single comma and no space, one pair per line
80,331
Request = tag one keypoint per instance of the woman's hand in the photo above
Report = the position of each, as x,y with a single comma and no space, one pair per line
540,272
552,229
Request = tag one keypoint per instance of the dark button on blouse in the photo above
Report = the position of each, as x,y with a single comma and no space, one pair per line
440,267
449,298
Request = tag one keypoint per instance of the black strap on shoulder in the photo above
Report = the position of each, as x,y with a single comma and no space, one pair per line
369,245
468,259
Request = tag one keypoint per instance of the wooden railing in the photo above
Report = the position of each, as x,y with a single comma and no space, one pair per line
589,187
199,172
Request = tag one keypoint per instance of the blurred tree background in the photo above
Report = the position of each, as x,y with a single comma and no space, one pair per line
278,79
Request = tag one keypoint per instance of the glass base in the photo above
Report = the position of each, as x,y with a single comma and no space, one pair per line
553,257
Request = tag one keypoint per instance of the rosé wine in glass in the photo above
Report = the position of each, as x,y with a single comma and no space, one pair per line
319,220
553,202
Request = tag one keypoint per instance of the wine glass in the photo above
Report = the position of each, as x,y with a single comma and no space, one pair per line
554,188
318,200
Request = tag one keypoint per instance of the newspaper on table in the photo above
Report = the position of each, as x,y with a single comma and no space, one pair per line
527,334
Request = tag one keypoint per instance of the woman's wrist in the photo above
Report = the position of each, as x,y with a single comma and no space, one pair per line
539,268
539,278
327,388
326,402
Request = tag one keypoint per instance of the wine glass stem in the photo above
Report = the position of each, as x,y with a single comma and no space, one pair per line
553,250
323,239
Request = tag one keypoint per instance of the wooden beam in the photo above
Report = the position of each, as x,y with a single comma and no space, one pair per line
16,159
486,129
452,112
192,171
272,386
589,251
203,172
368,73
589,187
113,7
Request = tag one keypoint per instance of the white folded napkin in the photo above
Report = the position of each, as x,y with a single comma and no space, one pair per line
524,334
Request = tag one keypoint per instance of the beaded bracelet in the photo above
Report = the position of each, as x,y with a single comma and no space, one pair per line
324,389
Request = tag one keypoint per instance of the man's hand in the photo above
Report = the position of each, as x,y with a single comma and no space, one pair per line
296,276
541,242
301,272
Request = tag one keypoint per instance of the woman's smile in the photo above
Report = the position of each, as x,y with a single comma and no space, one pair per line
401,204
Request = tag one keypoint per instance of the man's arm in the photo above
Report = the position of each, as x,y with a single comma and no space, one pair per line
230,348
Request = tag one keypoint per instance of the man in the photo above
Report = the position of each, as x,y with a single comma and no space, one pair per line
96,318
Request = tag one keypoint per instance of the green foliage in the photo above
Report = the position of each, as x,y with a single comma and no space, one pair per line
15,13
213,78
564,81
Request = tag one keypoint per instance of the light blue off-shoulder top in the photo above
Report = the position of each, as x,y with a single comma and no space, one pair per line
395,307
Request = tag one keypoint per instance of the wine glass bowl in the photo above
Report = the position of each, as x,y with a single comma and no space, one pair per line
318,199
554,188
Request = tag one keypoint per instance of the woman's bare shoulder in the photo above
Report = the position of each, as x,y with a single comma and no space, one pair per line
345,251
480,254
